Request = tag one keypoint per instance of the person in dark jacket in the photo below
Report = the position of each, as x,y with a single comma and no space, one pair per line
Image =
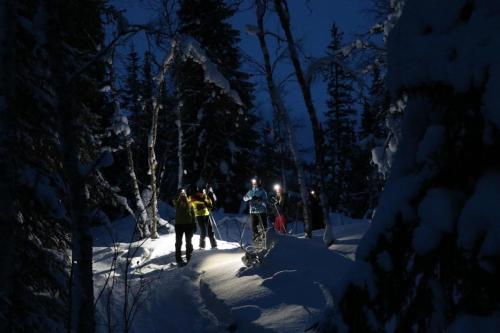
184,225
258,208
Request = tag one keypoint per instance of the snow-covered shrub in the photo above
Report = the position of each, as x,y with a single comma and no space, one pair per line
431,260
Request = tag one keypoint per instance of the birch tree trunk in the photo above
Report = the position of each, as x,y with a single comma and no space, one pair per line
152,169
279,108
180,144
142,215
281,8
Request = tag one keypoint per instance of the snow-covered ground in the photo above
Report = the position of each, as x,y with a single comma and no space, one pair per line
215,292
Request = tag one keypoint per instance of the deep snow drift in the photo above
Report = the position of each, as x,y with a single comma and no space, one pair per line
215,292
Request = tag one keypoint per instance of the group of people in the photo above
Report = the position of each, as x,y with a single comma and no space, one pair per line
257,197
195,209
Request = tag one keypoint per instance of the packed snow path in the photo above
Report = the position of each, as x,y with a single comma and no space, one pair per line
216,293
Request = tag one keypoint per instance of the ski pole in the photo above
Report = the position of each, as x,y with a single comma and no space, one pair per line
242,234
214,224
216,227
278,215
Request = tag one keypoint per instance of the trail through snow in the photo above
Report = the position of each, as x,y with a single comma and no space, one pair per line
215,292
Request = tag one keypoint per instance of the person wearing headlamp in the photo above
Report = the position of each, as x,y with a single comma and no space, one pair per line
280,201
257,198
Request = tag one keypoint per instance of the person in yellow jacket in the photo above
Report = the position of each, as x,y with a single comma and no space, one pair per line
201,204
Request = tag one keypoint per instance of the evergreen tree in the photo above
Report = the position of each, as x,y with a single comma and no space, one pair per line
147,92
52,118
373,133
166,145
269,156
137,98
220,138
142,121
131,95
339,129
375,108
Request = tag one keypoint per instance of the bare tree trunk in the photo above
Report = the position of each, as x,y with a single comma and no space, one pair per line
81,277
281,8
152,169
283,170
180,144
279,108
142,215
82,287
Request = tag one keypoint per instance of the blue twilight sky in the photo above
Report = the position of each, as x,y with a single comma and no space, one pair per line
311,22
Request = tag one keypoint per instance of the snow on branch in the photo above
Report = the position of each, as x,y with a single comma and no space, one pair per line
189,48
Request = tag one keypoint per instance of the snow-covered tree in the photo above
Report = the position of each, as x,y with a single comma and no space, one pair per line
219,138
430,261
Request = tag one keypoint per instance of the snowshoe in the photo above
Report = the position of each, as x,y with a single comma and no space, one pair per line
255,254
178,264
250,259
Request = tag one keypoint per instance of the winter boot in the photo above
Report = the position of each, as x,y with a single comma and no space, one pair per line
178,259
213,242
202,243
178,254
189,251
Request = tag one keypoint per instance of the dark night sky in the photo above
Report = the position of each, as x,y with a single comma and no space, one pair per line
311,21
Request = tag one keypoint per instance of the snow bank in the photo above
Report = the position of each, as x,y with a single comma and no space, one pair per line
335,220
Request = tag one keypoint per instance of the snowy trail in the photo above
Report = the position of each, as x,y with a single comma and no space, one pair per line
216,293
284,293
